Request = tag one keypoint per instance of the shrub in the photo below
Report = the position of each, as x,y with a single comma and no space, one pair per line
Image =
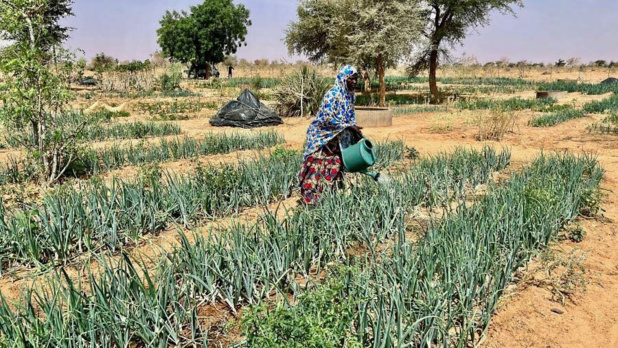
494,127
300,93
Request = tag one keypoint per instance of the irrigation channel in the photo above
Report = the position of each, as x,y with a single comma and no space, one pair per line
441,289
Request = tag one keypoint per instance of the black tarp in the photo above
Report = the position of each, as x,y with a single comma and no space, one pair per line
246,112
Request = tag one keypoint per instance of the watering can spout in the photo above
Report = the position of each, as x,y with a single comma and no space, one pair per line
375,176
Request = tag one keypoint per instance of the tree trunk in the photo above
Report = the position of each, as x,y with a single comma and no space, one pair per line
380,64
208,72
433,84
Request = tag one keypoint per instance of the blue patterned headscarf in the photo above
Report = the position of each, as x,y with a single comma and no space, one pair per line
335,115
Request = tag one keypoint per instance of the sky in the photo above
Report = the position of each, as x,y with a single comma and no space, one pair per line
542,31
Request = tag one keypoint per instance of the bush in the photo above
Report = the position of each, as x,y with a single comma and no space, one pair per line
322,317
303,90
494,127
169,82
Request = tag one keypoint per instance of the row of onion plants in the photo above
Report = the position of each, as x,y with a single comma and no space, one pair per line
96,161
92,215
130,305
443,289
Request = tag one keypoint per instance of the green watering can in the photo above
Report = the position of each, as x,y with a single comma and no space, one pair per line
359,157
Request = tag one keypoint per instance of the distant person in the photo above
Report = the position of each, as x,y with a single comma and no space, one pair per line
334,128
230,71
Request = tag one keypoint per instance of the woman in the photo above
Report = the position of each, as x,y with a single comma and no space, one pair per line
334,128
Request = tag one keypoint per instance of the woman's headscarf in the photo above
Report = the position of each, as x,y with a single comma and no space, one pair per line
335,115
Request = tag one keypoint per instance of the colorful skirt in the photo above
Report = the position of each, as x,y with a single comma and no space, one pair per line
321,171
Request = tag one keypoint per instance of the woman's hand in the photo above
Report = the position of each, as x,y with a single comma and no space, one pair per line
357,129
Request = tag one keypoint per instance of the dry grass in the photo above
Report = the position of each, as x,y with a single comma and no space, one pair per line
495,125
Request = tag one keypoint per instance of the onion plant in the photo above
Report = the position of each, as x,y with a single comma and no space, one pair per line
601,106
553,119
513,104
129,130
609,125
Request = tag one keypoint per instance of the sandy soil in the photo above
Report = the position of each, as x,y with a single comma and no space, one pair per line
525,317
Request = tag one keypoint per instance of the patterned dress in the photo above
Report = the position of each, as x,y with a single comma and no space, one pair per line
322,167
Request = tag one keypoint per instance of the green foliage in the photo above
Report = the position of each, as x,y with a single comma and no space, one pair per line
102,62
129,304
265,82
367,33
169,82
322,317
391,99
134,66
210,32
513,104
574,232
98,129
48,14
598,107
447,22
585,88
553,119
91,162
35,88
97,213
418,110
354,31
132,130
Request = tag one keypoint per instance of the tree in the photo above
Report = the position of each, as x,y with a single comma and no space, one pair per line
35,86
368,33
600,63
102,62
573,62
448,22
230,60
212,30
51,12
560,63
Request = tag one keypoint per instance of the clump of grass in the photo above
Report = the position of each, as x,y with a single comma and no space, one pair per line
499,122
553,119
300,93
